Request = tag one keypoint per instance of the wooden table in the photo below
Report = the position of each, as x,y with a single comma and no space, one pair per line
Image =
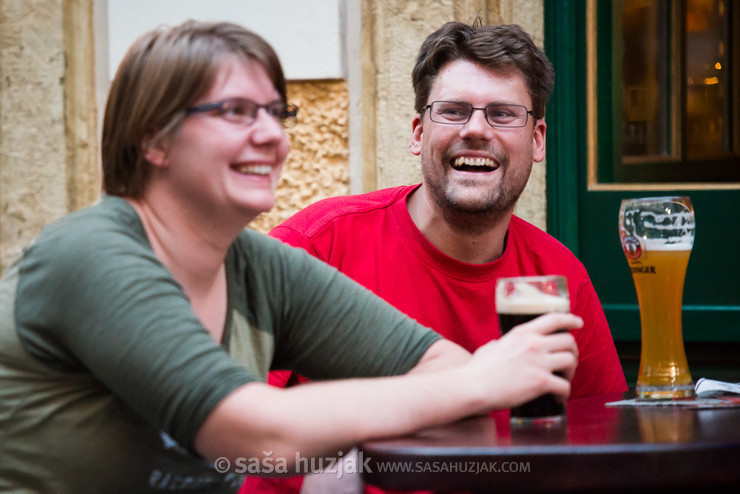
597,449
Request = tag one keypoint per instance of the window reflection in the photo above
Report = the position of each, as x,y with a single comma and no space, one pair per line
679,94
708,113
645,74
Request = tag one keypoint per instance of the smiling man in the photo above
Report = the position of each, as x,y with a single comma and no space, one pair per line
435,250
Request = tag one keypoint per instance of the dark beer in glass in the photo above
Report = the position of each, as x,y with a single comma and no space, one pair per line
519,300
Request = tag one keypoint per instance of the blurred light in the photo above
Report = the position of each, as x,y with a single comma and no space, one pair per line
711,80
718,66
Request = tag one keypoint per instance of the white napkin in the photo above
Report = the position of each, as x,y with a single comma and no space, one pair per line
707,387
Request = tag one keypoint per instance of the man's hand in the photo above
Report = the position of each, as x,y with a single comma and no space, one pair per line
522,363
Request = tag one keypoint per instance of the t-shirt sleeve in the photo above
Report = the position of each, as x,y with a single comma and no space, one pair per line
285,378
294,238
332,327
599,370
100,302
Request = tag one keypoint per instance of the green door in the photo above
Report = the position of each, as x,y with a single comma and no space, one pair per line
623,124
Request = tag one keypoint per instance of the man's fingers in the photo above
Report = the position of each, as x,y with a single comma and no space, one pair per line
553,321
562,343
563,362
560,387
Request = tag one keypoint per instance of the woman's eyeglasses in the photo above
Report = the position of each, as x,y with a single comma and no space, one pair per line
244,111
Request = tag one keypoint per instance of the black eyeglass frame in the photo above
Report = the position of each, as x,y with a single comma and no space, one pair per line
485,112
286,115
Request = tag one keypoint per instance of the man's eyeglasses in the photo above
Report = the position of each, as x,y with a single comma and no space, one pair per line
460,112
244,111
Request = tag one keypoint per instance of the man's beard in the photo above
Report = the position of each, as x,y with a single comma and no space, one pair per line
473,217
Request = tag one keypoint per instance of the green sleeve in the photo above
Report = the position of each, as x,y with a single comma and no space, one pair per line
329,325
93,298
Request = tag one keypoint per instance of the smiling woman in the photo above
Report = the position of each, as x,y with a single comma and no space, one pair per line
227,154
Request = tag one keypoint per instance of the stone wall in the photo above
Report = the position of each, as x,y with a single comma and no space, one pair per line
32,131
48,144
317,165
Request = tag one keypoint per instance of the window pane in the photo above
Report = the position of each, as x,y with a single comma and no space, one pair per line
708,109
645,78
663,99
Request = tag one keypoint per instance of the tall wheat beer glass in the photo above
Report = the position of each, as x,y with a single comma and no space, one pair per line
521,299
657,235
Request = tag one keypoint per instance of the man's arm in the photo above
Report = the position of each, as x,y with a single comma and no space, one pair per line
258,420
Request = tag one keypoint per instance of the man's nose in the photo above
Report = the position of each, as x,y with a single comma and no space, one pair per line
477,126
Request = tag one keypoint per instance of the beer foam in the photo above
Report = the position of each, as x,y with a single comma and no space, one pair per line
661,244
529,300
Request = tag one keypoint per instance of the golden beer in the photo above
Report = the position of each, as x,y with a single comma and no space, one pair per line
657,236
659,280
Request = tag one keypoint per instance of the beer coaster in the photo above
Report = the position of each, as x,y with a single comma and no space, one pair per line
698,403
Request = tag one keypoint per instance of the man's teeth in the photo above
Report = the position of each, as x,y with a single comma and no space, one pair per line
482,162
254,169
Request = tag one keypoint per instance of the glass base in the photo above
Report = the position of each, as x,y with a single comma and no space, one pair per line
665,392
550,421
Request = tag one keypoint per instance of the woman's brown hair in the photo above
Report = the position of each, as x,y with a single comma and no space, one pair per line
163,73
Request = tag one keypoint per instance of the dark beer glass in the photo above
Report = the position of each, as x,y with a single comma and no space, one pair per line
519,300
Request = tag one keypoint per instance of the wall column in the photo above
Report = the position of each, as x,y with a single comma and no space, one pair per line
48,151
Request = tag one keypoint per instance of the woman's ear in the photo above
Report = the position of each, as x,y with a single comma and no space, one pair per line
154,152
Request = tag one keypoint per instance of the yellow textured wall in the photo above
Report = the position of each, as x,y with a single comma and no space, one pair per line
33,181
318,163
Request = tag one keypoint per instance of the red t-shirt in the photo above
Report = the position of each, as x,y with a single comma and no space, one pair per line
372,238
